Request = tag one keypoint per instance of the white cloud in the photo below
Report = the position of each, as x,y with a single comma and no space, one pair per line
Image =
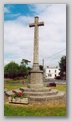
18,37
6,10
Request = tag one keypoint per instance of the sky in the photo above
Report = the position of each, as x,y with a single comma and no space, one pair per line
19,38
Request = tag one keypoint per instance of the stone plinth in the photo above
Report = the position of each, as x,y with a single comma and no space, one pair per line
36,79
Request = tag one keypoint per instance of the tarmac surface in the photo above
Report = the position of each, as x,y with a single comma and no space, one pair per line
62,82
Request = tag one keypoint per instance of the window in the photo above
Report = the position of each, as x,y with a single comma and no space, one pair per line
49,75
55,71
49,71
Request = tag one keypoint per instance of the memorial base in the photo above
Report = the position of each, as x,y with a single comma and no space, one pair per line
36,79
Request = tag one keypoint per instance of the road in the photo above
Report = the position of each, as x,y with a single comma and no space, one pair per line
63,82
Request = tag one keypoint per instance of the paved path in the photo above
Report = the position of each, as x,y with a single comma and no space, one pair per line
62,82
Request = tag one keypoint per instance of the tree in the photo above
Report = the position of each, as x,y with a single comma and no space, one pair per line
11,70
62,65
25,62
24,70
41,67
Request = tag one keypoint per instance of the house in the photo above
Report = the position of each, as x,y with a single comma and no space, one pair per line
51,72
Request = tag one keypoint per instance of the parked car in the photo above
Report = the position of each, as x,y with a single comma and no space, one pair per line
52,84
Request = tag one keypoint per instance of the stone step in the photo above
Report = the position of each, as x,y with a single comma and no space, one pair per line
35,90
59,95
51,92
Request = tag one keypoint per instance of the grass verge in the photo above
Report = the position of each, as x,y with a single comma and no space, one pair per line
16,110
60,87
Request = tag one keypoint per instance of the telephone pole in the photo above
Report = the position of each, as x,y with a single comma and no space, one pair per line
43,68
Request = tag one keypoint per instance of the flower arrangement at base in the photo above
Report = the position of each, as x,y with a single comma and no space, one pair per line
17,96
20,94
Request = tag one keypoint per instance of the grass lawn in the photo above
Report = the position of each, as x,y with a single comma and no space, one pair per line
12,85
60,87
18,110
8,80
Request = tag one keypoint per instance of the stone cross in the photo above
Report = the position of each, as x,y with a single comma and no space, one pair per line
36,75
36,24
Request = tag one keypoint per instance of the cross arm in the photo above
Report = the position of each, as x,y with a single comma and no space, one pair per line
31,25
40,23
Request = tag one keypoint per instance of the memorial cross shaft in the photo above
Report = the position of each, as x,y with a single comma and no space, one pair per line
36,24
36,75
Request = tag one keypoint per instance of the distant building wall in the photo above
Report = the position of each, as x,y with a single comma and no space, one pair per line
51,72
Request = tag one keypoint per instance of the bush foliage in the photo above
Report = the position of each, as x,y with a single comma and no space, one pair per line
13,70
